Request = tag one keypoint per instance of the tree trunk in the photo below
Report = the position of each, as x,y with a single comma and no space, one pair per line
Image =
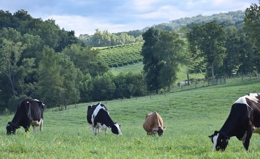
212,72
188,78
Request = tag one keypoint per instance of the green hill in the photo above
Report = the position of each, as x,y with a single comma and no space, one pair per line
121,55
189,117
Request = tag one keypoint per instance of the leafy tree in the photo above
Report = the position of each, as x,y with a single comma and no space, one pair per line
103,87
231,62
169,51
246,53
86,89
252,23
86,59
5,19
151,63
50,80
136,84
69,73
10,53
208,41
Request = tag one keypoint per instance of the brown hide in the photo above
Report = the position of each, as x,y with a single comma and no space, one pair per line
153,121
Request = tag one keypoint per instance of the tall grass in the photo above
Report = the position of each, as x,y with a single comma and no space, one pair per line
189,117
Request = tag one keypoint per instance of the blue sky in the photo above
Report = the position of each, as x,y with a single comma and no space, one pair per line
84,16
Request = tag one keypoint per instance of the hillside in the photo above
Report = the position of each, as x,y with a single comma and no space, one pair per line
121,55
189,116
104,38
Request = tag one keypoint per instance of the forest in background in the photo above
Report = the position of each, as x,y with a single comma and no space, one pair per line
38,59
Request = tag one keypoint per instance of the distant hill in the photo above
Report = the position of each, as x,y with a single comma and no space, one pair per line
104,38
226,19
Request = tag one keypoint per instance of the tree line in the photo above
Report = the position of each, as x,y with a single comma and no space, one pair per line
40,60
105,38
210,47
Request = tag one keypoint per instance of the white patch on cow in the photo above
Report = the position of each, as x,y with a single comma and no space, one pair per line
251,96
102,126
96,112
118,128
37,123
36,100
215,139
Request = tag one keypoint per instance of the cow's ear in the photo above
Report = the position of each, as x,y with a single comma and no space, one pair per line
211,136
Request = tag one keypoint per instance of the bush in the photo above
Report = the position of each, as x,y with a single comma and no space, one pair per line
6,112
59,108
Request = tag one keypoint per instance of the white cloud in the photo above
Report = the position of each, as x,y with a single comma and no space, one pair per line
144,5
87,25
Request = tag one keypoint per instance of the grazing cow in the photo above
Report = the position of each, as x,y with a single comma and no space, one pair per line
153,124
98,116
243,120
28,112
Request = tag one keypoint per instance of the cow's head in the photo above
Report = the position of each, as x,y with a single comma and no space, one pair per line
160,130
219,140
116,129
10,128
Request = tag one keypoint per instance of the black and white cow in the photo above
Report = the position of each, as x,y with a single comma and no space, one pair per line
28,112
243,120
98,116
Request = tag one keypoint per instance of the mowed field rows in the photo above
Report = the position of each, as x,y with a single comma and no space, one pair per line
189,116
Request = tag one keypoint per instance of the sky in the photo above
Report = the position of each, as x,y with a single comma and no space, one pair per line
85,16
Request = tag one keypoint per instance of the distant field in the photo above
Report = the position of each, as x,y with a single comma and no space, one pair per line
135,68
189,116
138,67
118,56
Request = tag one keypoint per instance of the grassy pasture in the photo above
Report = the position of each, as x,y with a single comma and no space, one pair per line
138,67
189,117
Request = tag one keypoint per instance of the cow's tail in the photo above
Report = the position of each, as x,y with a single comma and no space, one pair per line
29,110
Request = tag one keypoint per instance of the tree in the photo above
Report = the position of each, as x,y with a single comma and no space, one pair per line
71,83
231,62
252,23
168,50
50,80
10,54
86,59
208,41
246,53
151,63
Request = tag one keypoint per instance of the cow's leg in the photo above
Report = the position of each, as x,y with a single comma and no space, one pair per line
41,124
105,129
95,129
33,128
248,137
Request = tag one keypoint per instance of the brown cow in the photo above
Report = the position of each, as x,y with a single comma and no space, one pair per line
153,124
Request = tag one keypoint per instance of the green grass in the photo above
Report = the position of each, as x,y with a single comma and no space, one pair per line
138,67
189,116
135,68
